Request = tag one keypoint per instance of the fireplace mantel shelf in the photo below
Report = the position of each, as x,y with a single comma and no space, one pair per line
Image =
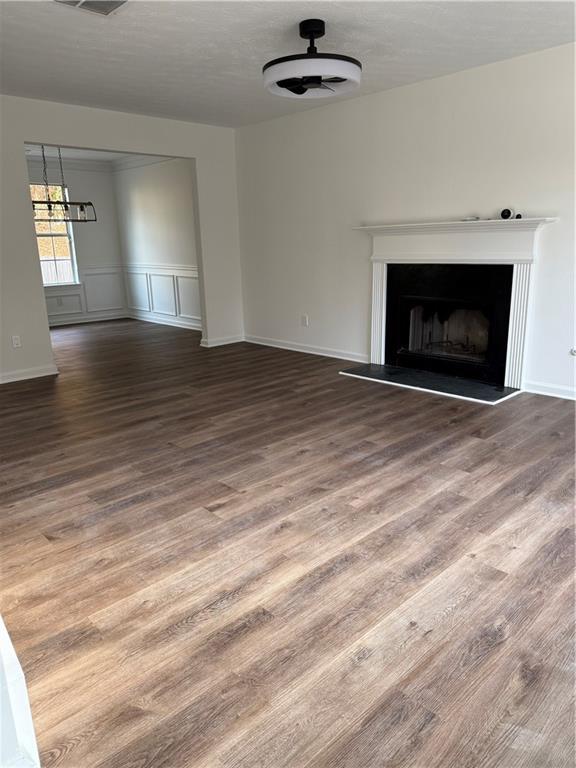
486,241
479,225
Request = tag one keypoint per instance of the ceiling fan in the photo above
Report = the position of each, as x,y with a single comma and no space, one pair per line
312,74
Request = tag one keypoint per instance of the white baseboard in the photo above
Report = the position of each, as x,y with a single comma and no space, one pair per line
309,349
194,324
28,373
93,317
222,341
551,390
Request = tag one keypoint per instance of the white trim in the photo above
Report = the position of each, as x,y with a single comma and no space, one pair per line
480,225
63,288
140,161
70,164
169,269
174,272
517,325
128,289
220,342
439,257
179,311
151,317
94,317
340,354
431,391
87,313
18,748
549,390
378,323
172,313
28,373
490,241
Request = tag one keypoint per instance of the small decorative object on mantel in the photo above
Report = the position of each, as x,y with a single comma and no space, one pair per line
507,213
471,218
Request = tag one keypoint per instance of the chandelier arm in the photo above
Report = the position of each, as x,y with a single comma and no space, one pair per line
45,174
62,182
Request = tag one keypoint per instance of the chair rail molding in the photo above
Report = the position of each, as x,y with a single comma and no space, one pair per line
483,241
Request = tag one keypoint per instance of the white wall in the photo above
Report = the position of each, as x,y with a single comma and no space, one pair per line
156,213
469,143
156,209
100,293
23,310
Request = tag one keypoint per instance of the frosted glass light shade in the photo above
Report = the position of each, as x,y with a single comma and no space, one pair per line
324,66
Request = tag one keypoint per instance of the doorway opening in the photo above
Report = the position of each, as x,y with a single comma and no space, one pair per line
139,258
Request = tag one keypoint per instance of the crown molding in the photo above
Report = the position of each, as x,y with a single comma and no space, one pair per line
104,166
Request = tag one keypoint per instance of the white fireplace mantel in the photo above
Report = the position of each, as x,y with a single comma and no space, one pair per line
482,241
486,241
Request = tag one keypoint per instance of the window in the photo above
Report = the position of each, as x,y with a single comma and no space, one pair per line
54,239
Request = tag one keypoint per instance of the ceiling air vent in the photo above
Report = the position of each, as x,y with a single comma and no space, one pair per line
102,7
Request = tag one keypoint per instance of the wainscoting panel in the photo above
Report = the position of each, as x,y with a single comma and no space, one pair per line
169,295
64,304
188,296
98,296
104,291
137,289
163,294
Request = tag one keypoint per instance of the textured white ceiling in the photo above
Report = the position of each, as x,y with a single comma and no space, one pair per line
202,61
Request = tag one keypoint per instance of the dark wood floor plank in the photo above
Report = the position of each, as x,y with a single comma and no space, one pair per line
235,557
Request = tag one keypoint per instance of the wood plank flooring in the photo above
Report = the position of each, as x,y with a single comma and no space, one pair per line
235,557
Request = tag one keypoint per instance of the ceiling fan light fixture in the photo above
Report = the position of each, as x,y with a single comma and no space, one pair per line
312,75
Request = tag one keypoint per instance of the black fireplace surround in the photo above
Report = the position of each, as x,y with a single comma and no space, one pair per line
449,319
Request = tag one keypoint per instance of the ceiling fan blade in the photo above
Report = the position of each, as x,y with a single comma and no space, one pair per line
289,82
299,85
294,85
312,81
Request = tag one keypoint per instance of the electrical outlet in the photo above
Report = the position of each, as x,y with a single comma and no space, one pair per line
16,342
304,321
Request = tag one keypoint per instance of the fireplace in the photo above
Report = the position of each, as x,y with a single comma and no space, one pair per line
450,305
449,318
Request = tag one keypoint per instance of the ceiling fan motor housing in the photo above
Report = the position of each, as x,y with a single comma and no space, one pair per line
312,75
312,29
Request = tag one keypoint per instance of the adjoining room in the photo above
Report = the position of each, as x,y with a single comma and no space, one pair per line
132,250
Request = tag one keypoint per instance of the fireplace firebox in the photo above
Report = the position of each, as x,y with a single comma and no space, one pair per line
449,318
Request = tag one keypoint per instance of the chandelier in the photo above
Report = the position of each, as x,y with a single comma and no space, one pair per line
61,210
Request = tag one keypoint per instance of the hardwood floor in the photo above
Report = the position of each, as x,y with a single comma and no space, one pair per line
234,557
